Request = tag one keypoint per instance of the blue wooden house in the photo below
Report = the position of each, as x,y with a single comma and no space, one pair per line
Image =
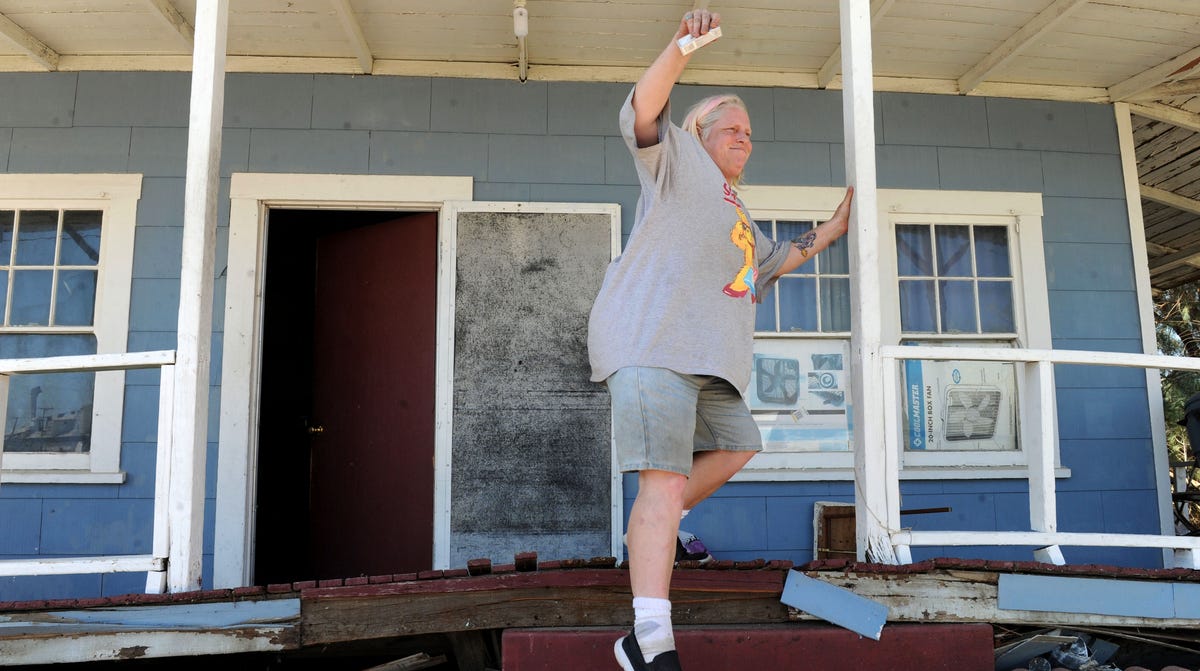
299,290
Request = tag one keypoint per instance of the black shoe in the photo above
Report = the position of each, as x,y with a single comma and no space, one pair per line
682,553
629,656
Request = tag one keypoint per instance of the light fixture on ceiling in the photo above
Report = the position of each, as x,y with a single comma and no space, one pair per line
521,30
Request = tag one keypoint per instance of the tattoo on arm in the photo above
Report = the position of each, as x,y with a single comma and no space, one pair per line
805,242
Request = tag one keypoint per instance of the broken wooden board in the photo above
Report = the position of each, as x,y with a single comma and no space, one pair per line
965,596
132,632
835,604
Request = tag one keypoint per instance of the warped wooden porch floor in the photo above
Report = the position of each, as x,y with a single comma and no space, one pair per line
463,613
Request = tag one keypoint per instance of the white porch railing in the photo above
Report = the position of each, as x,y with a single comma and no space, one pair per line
1038,437
155,563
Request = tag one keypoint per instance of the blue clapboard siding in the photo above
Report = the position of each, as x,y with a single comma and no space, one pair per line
559,142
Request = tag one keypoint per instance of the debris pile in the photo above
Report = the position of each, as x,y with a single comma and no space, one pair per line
1091,650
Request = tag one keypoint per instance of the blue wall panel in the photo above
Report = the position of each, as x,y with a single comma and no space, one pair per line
559,142
113,526
488,106
1094,220
268,101
427,153
519,158
989,169
961,121
371,103
159,152
808,115
1088,267
5,145
585,109
1037,124
38,101
329,151
1092,464
22,526
78,149
132,99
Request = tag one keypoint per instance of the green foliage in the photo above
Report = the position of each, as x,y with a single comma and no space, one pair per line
1177,332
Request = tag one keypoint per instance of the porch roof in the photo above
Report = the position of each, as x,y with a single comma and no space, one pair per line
1141,52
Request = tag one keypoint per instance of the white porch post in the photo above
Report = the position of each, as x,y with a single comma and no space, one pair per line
877,505
190,430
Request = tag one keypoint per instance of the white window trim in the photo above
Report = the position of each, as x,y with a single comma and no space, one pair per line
117,196
1023,210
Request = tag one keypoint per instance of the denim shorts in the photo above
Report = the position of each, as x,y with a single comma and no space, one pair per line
660,418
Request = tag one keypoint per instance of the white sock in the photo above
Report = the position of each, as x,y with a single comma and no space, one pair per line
652,626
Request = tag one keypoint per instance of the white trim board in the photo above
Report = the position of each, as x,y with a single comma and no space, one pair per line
251,194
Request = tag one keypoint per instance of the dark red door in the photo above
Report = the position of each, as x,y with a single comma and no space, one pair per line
372,421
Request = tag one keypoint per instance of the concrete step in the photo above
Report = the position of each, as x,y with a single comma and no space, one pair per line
802,645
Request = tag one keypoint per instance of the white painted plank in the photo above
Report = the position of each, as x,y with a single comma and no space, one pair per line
354,33
1171,115
79,565
1146,321
92,362
1175,68
190,429
1018,42
1130,360
156,581
210,615
1036,538
35,48
147,644
858,121
1039,438
176,21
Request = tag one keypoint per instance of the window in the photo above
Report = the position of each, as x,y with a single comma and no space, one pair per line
956,268
66,249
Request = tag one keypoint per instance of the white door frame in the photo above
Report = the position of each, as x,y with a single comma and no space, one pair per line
251,194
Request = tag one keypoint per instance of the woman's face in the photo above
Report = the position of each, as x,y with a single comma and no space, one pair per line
728,141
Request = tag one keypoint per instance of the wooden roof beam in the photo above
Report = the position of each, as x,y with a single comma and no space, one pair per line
879,9
1183,87
366,62
1177,68
31,45
1168,114
1171,199
1018,42
178,23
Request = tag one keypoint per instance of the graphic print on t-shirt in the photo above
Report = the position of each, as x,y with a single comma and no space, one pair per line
742,236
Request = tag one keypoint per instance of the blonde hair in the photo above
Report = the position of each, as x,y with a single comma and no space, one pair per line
701,117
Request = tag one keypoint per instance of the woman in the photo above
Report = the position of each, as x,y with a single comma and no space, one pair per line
671,331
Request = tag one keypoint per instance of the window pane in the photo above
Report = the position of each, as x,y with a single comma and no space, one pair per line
80,238
958,306
76,297
35,238
3,294
916,306
996,307
991,251
836,257
790,230
953,251
49,412
764,313
914,252
835,304
7,217
31,298
797,304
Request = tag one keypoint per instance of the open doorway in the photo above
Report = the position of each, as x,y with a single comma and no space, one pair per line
346,416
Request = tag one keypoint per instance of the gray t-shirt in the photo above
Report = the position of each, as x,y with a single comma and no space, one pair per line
681,294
